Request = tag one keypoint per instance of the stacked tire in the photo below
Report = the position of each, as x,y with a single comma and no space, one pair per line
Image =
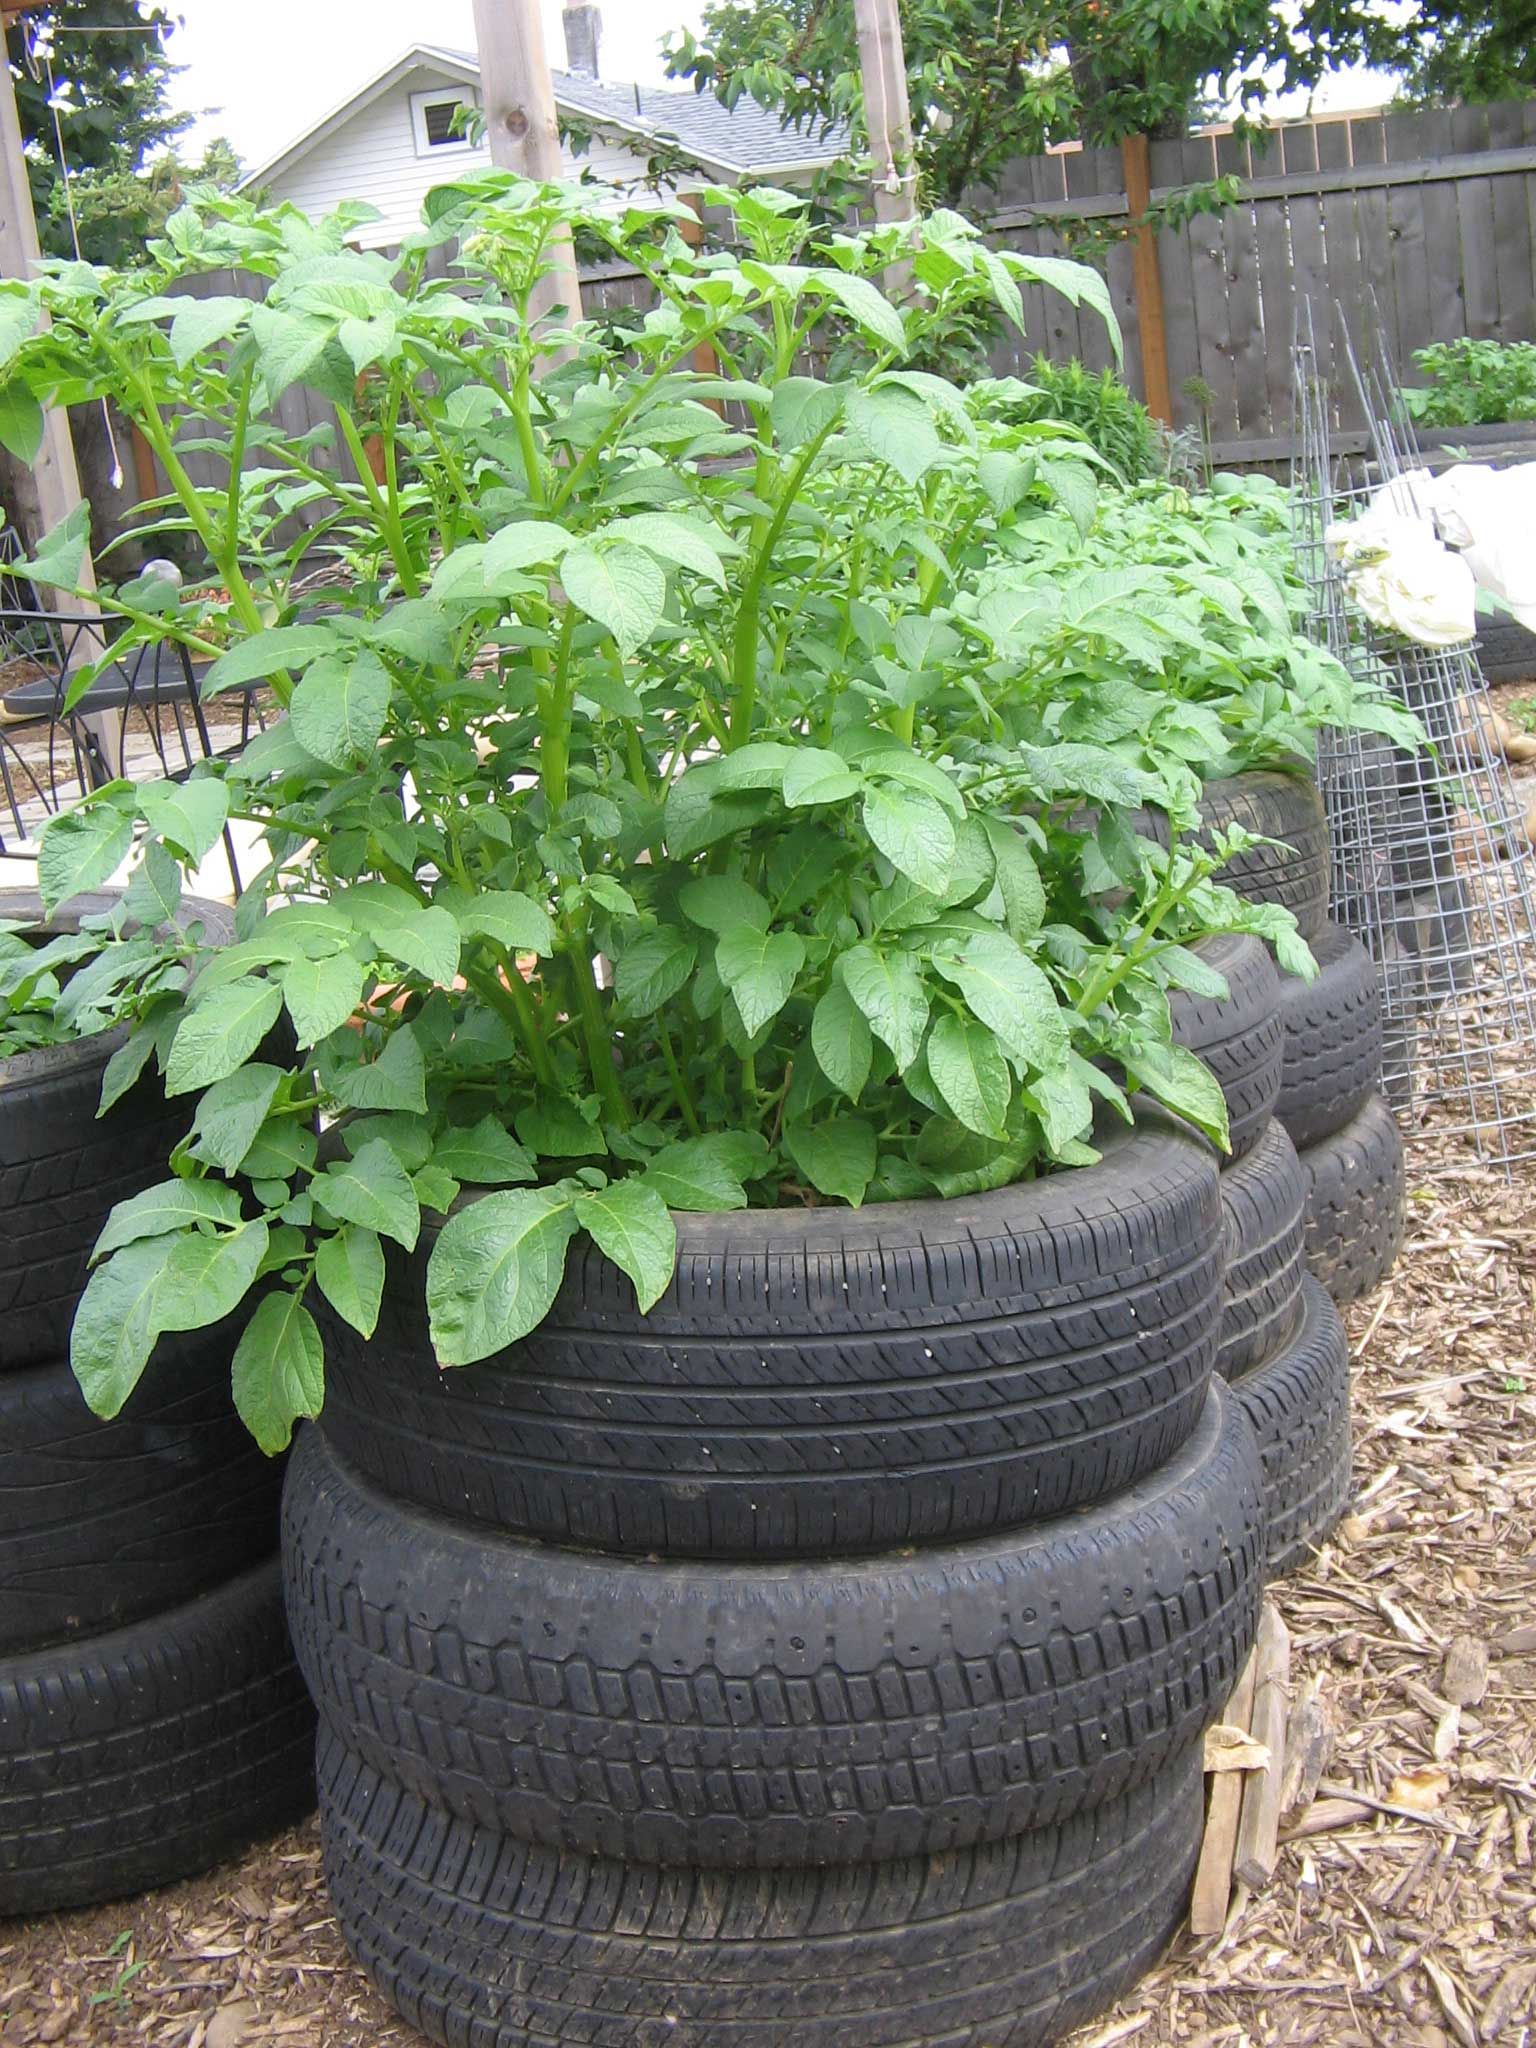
152,1721
1312,1191
1327,1095
822,1657
1331,1106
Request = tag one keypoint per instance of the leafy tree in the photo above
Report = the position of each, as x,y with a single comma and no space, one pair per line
991,80
118,211
108,85
1472,50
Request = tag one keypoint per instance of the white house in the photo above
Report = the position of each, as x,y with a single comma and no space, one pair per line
394,138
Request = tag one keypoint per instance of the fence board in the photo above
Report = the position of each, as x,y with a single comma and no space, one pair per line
1410,269
1511,230
1309,254
1245,306
1208,267
1378,277
1085,178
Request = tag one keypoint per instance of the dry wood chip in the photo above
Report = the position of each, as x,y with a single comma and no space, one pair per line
1465,1679
1422,1790
1234,1749
1512,1992
1450,2002
232,2024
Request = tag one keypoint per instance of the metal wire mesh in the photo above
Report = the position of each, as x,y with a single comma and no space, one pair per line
1432,859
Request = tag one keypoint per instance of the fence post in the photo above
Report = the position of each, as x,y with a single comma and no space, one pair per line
521,128
886,112
1136,158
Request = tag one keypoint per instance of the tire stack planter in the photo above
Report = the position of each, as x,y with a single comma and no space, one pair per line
1330,1104
1313,1190
1284,808
821,1658
152,1721
1283,1347
1329,1099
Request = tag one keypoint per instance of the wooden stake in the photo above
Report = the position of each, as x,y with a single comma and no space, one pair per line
54,472
1213,1878
1147,280
705,360
1258,1827
521,127
146,476
886,111
55,475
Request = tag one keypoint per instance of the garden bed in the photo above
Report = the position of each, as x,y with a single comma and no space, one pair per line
1378,1931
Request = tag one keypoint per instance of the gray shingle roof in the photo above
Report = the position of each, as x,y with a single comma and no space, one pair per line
743,138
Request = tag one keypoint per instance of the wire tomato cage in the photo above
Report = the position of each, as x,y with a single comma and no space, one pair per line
1432,852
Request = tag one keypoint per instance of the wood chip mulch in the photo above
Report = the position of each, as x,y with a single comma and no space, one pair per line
1403,1911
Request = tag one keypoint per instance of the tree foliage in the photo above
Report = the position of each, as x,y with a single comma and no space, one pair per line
104,66
991,80
1469,50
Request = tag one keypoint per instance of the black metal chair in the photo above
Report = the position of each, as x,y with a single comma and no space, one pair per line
142,711
42,768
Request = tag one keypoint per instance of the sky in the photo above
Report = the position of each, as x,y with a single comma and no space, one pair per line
263,75
271,71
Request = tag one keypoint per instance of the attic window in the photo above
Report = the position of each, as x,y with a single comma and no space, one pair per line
432,120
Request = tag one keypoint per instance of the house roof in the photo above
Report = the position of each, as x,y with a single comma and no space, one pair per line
746,140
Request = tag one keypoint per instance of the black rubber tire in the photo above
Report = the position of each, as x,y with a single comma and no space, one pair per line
137,1758
1333,1038
825,1382
1356,1203
1277,806
1424,843
1263,1199
61,1169
1359,770
1240,1038
747,1715
484,1942
1506,650
1299,1407
1432,941
102,1523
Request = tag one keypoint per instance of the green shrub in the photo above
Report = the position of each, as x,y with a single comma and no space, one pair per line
1473,384
1099,405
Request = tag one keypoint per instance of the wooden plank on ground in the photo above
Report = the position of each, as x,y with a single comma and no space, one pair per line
1258,1827
1213,1875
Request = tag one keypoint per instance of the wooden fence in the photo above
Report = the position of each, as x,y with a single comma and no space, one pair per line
1429,217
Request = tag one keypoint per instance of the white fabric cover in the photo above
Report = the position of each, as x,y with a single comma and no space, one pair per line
1401,575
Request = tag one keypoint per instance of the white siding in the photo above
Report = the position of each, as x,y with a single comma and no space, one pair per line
373,157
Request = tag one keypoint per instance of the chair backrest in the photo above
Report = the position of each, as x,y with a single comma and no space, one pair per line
42,768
